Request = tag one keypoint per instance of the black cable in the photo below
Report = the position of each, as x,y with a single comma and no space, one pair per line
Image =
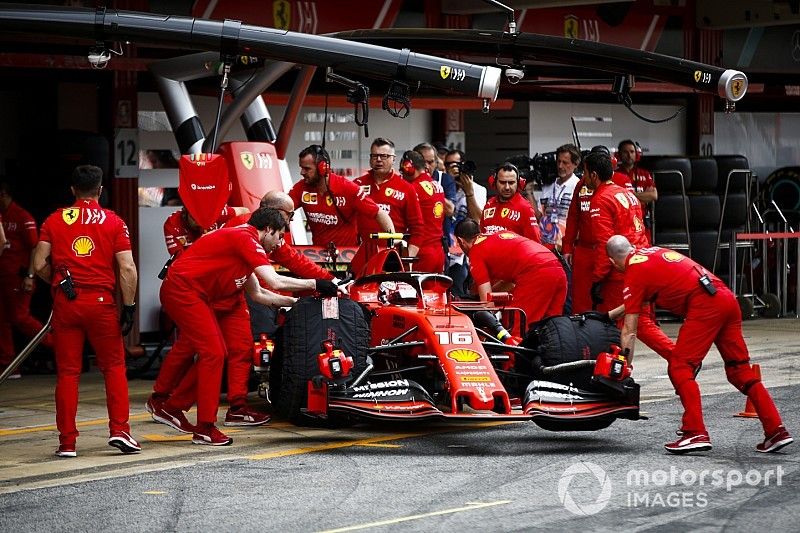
325,119
625,99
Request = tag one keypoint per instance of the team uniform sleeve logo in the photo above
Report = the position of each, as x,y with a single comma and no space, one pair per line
310,198
480,239
637,259
488,213
506,235
622,199
71,215
672,257
427,186
83,246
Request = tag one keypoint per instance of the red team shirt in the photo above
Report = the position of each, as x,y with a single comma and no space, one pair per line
85,238
179,236
640,179
520,256
218,265
331,216
579,224
397,197
664,276
515,215
21,238
614,211
431,204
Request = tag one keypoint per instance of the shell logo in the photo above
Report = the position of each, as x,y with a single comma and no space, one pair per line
438,209
507,235
83,246
464,355
672,257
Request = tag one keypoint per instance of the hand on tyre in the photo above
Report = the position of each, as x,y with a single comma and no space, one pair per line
126,318
326,288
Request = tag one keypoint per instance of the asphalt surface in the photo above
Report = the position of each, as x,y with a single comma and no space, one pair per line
496,477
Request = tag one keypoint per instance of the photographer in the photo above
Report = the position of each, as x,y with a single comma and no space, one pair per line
471,196
556,197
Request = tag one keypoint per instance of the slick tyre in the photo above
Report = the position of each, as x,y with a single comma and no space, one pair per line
300,342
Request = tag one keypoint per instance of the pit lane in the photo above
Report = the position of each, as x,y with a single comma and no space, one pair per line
501,476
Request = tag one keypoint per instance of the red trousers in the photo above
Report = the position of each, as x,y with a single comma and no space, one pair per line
716,319
15,312
200,334
178,377
582,267
92,315
430,258
542,294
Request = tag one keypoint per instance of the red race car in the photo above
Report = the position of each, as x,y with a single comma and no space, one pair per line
401,349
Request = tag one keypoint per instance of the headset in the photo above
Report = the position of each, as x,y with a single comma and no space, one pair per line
507,167
407,165
322,159
600,149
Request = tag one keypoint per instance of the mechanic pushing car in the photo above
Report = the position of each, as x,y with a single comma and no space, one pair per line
394,195
509,210
540,284
79,248
431,203
209,278
181,229
711,315
331,202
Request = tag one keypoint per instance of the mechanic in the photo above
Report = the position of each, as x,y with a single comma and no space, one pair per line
78,250
430,194
556,198
508,210
578,242
203,293
628,153
616,210
711,315
181,229
16,276
331,201
540,285
448,184
394,195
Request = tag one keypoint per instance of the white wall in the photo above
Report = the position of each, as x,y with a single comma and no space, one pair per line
606,124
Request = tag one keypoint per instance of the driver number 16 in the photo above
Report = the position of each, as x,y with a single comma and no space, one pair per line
455,337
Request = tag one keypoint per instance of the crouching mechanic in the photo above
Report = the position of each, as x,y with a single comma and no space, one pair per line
178,368
203,294
79,250
711,315
540,285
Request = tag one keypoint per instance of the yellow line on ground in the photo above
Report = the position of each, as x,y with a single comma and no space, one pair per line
376,445
370,441
52,427
154,492
468,507
167,438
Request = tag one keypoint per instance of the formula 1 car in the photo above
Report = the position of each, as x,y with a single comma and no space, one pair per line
401,349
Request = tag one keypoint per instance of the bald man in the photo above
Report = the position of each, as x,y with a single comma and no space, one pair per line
711,315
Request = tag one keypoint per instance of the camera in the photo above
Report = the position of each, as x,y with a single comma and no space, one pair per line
467,167
543,168
514,75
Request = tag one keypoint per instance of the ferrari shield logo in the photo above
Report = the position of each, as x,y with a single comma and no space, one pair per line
389,192
621,198
480,239
504,212
71,215
427,186
637,259
281,14
329,200
444,72
736,87
247,160
571,27
697,76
